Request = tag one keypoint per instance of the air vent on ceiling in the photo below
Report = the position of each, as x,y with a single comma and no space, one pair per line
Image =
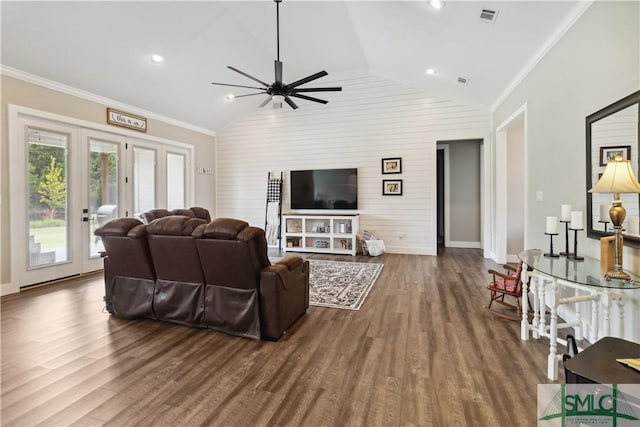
462,80
489,16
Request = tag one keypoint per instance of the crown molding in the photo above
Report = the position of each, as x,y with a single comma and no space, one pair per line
59,87
555,37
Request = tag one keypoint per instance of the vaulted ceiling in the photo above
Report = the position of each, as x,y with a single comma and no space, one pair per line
104,48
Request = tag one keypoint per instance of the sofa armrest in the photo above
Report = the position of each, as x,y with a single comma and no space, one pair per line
291,262
284,296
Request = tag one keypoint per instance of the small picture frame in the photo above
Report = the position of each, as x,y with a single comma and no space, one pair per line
608,154
392,187
392,165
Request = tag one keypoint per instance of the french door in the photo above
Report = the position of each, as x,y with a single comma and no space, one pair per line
43,212
68,180
103,191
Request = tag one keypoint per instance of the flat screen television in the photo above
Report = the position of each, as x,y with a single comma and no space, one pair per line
331,189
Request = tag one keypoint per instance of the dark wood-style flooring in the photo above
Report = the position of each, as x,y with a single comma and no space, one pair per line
422,350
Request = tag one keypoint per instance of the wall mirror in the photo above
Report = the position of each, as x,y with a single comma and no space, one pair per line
610,131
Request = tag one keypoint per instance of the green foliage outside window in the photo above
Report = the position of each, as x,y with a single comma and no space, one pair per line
52,188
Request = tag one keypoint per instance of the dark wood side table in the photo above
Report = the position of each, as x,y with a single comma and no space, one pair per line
597,363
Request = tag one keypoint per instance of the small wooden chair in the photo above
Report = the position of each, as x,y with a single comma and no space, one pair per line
508,283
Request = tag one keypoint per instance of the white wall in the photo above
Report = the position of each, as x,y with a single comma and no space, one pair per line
515,189
594,64
372,118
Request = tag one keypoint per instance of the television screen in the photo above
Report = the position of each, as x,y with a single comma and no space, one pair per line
324,189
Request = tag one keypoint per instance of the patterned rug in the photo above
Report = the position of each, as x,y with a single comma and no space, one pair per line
341,284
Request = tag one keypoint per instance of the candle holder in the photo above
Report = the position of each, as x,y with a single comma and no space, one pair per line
574,256
566,239
605,224
551,254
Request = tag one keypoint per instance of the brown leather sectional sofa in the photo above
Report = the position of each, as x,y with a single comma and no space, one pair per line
214,275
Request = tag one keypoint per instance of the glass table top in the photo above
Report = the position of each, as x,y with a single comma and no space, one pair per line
586,272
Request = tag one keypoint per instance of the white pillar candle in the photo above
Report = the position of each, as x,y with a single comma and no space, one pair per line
576,220
565,213
552,225
604,213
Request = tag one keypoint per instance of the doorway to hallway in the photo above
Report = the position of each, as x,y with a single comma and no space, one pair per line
459,195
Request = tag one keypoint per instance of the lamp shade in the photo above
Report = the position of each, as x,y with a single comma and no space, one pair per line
618,177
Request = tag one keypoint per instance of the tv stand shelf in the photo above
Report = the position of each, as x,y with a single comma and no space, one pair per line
327,234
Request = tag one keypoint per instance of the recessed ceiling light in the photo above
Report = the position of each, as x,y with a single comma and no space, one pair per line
431,71
229,96
157,58
437,4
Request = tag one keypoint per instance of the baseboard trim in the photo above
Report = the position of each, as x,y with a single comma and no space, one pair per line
405,250
458,244
8,289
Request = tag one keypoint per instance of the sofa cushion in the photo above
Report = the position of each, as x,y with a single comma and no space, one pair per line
154,214
174,225
224,229
119,227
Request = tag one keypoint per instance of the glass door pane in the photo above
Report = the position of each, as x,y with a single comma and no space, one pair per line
48,228
144,180
175,181
103,189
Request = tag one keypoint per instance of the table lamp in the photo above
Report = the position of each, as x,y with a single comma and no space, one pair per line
617,178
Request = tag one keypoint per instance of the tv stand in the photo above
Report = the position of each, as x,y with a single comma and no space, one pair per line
326,234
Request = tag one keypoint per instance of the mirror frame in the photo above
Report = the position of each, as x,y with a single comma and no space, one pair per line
625,102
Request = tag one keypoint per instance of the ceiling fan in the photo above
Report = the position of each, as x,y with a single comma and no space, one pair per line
277,90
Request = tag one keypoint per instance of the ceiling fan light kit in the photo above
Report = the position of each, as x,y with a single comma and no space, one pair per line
278,91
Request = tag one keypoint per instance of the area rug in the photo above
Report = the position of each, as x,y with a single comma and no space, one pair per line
343,285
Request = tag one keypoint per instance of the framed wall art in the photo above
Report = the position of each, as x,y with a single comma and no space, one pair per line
392,187
392,165
608,154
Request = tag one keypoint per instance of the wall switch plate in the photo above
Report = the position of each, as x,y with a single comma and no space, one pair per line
539,196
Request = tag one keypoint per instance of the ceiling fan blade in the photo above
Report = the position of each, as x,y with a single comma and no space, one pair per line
290,102
227,84
318,89
266,101
247,75
278,72
308,79
249,94
309,98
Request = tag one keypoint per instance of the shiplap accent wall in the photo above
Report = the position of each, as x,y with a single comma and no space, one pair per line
372,118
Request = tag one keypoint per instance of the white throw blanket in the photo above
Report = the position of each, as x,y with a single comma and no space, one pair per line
272,223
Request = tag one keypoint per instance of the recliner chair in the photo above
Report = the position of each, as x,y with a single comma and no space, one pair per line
179,280
129,271
251,297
